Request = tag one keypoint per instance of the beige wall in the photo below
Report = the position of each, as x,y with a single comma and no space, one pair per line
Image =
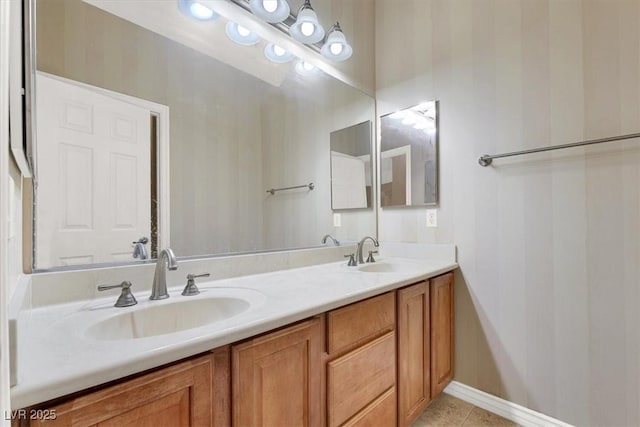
548,294
297,151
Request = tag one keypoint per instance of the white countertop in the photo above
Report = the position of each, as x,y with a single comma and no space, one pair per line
56,357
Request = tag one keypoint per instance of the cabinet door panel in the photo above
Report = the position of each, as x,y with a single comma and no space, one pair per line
414,362
442,338
169,411
276,378
179,395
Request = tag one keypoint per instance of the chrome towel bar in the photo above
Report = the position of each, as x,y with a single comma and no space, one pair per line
310,186
487,159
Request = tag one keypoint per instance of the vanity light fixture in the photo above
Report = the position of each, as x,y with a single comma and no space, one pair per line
241,35
272,11
335,46
277,54
305,68
197,10
307,29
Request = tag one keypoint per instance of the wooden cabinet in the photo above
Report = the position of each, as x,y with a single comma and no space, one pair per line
414,352
191,393
361,364
442,335
425,344
277,378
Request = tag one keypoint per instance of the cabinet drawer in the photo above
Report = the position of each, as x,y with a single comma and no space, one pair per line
381,413
358,378
357,322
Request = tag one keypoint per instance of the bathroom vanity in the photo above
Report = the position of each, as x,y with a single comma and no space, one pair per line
370,345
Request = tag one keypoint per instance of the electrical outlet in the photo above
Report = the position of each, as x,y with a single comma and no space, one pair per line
432,218
337,220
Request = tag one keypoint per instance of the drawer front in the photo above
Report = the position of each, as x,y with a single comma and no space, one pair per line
381,413
355,323
356,379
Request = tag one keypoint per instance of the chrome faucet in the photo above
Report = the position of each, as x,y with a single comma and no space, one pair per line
361,244
329,236
139,248
159,287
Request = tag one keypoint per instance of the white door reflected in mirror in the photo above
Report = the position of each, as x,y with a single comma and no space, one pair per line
94,200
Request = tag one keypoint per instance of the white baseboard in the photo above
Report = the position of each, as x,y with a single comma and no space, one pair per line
511,411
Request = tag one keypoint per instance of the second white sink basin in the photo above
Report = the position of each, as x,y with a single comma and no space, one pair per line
165,318
390,267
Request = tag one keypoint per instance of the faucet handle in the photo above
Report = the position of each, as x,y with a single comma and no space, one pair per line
370,258
126,298
352,260
191,289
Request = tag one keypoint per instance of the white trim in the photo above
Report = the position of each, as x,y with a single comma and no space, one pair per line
5,403
512,411
162,111
16,98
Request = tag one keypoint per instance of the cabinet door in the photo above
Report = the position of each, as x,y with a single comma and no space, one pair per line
414,392
277,378
180,395
442,339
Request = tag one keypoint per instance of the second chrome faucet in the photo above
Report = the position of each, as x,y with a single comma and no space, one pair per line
159,287
360,246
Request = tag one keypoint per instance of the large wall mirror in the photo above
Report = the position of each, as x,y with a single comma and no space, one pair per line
352,167
409,156
154,127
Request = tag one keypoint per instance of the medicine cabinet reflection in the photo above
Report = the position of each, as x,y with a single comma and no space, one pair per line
409,156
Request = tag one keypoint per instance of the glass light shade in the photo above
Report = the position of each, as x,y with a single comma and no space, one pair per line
305,68
307,29
197,10
336,47
275,53
272,11
241,35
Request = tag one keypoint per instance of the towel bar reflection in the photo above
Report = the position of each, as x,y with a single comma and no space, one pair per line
487,159
310,186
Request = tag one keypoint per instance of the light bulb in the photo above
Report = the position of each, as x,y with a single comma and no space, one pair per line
336,48
270,5
200,11
244,32
307,28
278,50
408,120
308,66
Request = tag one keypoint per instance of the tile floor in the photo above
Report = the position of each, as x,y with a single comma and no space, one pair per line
447,411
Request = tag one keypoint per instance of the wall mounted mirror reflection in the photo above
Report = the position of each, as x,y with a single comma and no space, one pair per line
351,167
409,156
232,123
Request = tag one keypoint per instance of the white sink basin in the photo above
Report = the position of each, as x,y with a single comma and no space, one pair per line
165,318
390,267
